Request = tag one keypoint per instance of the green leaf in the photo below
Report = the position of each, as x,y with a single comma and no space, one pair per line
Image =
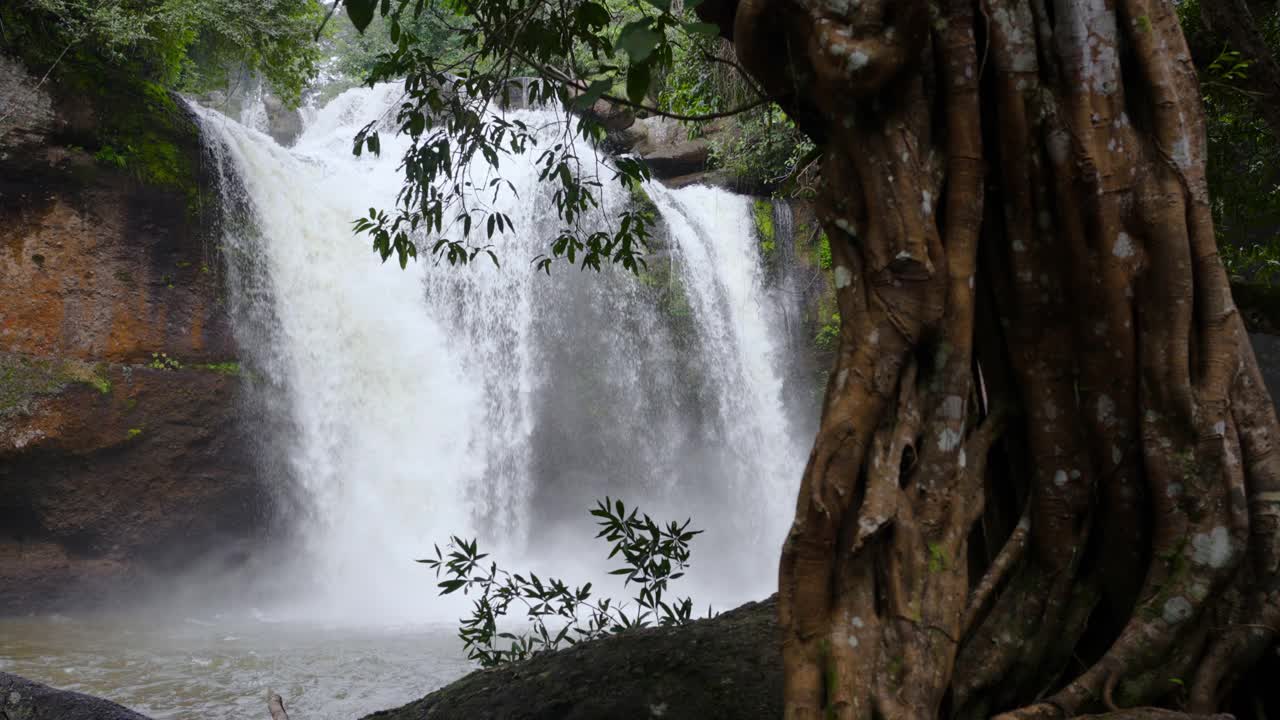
360,12
638,40
637,83
593,14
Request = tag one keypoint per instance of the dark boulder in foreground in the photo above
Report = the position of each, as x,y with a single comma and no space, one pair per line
21,699
726,667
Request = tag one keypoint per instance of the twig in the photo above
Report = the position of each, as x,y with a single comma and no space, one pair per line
276,705
325,21
578,85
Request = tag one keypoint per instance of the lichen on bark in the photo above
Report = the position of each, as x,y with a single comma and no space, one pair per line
1045,479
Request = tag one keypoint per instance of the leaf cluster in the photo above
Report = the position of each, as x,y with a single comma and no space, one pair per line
653,555
563,55
186,45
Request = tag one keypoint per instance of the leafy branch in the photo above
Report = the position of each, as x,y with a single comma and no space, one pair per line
653,556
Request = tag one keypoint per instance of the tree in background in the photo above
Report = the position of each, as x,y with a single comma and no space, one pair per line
1045,482
186,45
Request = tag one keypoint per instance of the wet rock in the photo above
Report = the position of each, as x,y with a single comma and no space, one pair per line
284,124
669,161
615,119
726,667
120,455
22,699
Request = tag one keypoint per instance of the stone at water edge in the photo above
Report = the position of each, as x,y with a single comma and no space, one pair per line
724,668
22,699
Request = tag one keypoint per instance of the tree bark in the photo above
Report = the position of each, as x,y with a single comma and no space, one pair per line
1045,481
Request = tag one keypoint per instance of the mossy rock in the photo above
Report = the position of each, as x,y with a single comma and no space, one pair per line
142,129
23,379
762,211
127,125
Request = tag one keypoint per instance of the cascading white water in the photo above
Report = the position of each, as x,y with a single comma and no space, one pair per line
496,401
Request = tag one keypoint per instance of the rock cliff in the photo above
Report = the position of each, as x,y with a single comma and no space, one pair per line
119,454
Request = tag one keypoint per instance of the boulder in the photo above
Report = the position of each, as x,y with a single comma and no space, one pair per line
676,159
725,667
21,699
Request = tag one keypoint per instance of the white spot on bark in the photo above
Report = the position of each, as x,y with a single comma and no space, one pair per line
1018,245
1181,152
1075,474
841,378
1176,610
1124,246
926,202
963,459
1220,428
1087,28
853,641
1060,478
858,60
857,622
953,407
948,439
874,337
1212,548
1116,454
844,278
658,710
1106,410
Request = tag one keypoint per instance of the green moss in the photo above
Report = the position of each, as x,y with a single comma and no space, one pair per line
762,210
642,203
823,251
937,558
139,126
134,432
224,368
23,379
828,334
162,361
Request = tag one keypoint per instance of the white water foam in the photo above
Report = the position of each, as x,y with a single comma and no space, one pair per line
496,401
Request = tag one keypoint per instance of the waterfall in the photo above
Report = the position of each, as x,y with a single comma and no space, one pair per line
496,401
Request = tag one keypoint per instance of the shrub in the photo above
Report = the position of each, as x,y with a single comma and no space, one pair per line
653,556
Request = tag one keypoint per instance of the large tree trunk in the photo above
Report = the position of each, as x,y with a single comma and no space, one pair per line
1045,482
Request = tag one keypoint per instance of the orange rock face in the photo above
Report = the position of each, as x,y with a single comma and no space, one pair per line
121,455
